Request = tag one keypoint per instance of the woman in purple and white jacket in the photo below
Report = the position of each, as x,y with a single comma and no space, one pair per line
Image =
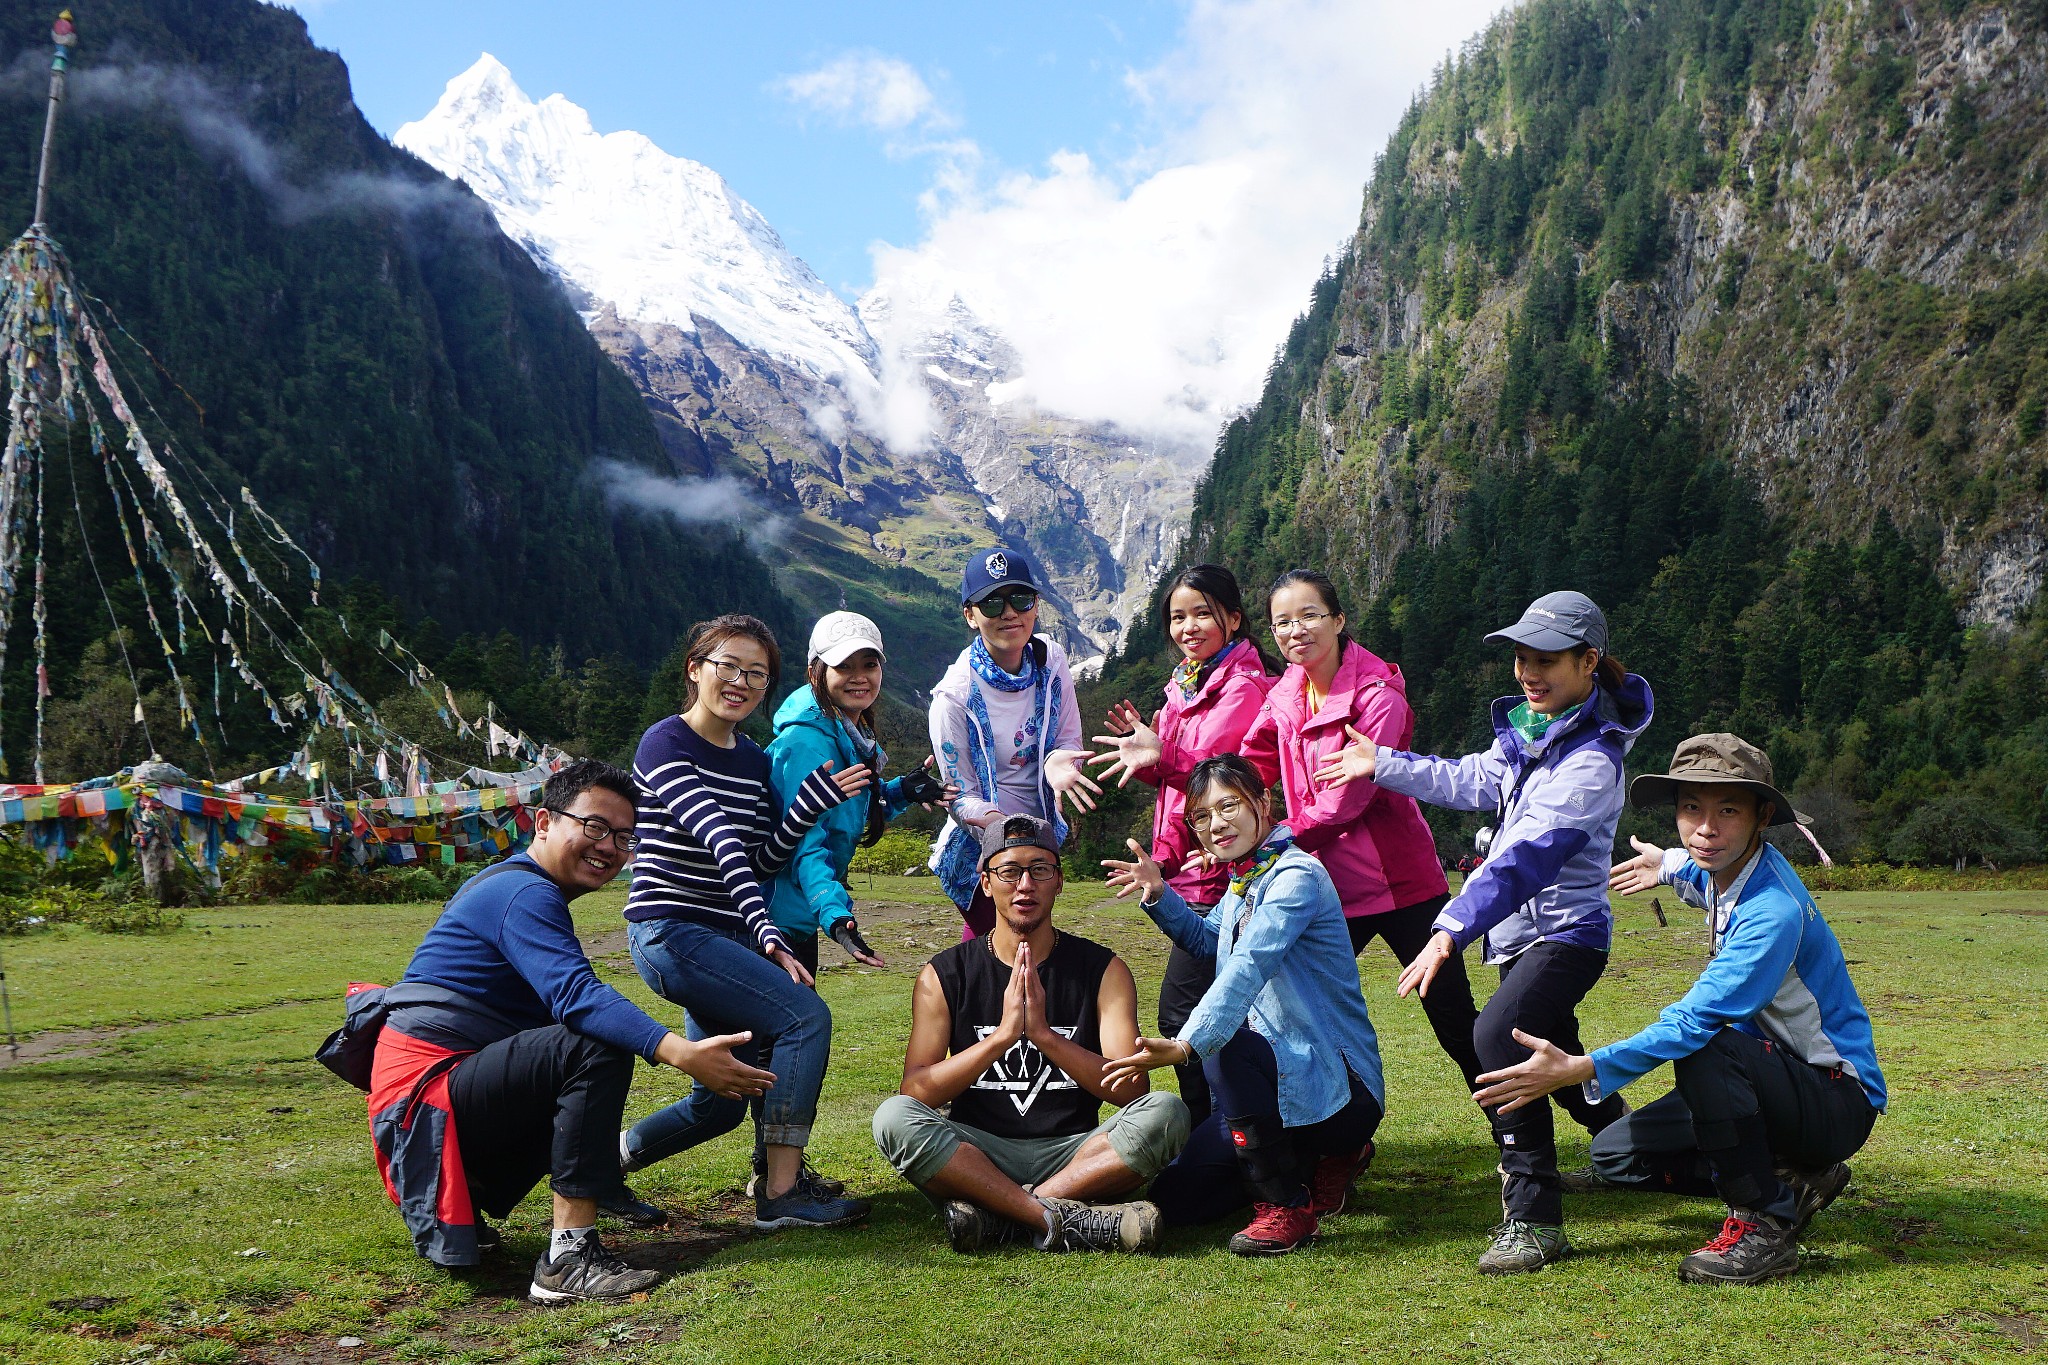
1553,779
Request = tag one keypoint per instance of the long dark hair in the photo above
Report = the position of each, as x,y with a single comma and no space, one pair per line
1218,587
1325,589
878,813
1610,672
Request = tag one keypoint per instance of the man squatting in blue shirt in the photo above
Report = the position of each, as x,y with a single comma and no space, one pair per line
1777,1079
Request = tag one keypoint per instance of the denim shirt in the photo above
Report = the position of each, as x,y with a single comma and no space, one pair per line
1288,974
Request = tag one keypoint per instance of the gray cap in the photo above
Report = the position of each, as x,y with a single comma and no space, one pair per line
1018,831
1558,621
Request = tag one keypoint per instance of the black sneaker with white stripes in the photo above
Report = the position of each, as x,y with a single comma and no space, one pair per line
588,1272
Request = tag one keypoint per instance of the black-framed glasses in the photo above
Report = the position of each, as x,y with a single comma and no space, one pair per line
1308,620
597,831
992,606
1009,874
753,679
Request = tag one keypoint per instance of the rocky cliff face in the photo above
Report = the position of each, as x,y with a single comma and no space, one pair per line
891,421
1841,259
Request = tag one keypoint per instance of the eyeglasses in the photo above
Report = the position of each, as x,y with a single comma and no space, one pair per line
991,606
753,679
1010,873
1308,620
597,831
1225,811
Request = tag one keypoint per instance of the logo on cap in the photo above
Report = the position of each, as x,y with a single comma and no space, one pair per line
997,564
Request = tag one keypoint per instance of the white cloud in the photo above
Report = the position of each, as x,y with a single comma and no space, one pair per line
866,88
1153,293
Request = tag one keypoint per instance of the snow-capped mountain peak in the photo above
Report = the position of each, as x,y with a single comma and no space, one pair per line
659,237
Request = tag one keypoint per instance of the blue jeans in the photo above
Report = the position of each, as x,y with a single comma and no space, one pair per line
727,987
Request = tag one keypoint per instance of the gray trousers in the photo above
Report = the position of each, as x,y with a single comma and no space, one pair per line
918,1140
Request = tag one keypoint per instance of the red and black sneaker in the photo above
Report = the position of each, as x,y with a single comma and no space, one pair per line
1330,1185
1275,1230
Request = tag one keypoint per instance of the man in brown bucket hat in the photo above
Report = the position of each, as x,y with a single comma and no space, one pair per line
1777,1079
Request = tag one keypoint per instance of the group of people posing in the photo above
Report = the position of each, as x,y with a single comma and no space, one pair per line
1286,836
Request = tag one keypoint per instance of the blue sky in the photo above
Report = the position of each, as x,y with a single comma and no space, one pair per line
1137,195
1025,80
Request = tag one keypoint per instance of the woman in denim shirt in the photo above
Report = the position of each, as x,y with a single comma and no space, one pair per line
1283,1035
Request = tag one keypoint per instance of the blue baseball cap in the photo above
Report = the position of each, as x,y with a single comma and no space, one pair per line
988,570
1557,621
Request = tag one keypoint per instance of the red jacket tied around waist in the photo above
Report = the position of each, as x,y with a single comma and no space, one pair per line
412,1122
1190,729
1375,845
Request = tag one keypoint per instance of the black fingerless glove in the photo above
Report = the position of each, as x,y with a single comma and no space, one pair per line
922,787
847,935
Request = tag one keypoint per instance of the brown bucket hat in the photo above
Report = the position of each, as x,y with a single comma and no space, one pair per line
1717,760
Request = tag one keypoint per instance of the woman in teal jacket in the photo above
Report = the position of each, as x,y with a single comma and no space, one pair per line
832,721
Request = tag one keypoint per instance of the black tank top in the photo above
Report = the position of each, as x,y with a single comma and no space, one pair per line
1024,1095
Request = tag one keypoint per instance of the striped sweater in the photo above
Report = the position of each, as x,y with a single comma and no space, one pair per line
712,828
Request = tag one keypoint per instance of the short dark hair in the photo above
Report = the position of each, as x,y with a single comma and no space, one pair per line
566,784
1232,771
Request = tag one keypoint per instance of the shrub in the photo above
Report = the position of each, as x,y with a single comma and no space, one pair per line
895,853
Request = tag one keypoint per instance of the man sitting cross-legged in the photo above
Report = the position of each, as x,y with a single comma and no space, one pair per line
1014,1030
1777,1080
504,1060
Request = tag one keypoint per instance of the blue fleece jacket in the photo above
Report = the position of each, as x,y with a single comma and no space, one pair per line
1776,972
1557,801
809,895
509,944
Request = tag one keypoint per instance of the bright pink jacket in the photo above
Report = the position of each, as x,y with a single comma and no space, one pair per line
1375,845
1212,722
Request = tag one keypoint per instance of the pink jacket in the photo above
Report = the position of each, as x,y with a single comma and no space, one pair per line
1375,845
1212,722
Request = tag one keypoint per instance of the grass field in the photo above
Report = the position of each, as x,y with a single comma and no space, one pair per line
180,1182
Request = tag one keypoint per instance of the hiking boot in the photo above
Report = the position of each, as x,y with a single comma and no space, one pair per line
1815,1191
1750,1247
798,1207
1585,1180
820,1186
488,1242
632,1210
1330,1184
1102,1227
1275,1230
588,1272
1520,1247
971,1228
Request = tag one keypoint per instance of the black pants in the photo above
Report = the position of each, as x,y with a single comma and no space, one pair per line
1448,1006
1539,994
1251,1155
546,1102
1187,980
804,948
1743,1108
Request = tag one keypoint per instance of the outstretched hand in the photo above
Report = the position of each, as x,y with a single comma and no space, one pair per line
1357,760
1064,775
1152,1054
1548,1068
786,960
1122,717
710,1060
1639,873
851,782
1130,752
1141,875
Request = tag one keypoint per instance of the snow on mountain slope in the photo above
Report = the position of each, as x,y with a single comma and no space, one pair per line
661,238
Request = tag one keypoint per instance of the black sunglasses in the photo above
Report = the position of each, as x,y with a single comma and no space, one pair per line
991,606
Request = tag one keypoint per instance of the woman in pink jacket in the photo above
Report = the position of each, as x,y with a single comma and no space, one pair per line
1375,845
1215,691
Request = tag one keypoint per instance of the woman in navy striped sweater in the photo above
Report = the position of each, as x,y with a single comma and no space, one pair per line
712,828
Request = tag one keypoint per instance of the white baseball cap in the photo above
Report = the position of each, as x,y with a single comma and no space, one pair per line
840,635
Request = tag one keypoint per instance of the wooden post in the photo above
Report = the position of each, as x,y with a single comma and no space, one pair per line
64,36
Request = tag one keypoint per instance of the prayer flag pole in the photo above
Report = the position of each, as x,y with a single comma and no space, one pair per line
64,36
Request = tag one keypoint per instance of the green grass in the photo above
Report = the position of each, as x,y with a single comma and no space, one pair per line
192,1128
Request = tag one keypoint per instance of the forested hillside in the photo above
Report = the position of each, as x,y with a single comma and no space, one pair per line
313,313
1733,314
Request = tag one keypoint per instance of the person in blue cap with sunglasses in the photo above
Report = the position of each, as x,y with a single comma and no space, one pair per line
1004,725
1553,781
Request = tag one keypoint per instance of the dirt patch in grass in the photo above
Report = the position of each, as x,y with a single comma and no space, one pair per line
67,1045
